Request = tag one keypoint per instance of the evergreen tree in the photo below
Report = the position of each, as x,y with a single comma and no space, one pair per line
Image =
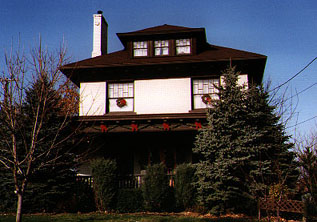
34,132
52,184
241,149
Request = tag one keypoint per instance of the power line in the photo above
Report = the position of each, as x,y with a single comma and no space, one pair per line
295,75
301,91
301,122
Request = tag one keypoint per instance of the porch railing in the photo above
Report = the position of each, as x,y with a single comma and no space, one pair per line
127,181
88,180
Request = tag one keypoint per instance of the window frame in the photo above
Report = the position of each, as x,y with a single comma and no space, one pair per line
161,47
184,46
129,98
143,48
211,91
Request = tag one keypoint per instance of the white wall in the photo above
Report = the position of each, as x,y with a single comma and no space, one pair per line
162,96
92,98
150,96
243,80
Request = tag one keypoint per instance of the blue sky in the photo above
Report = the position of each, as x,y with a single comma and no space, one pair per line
283,30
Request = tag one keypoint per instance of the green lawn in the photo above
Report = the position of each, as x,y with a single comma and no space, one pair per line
95,217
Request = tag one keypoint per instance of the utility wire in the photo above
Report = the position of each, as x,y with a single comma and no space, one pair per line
301,122
301,91
279,86
295,75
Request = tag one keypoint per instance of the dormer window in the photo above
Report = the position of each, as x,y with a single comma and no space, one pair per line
161,47
140,48
183,46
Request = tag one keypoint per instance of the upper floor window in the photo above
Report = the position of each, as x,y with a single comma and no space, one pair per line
161,47
120,97
182,46
140,48
204,91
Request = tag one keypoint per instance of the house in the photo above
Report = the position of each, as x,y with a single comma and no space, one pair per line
145,103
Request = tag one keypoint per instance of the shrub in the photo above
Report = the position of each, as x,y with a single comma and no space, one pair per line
310,209
156,191
83,200
104,173
49,190
184,188
7,196
130,200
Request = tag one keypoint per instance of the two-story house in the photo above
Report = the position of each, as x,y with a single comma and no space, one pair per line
144,104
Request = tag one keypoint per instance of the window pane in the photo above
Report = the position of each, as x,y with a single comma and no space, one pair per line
183,50
140,52
120,91
161,47
165,51
202,87
140,48
157,51
182,42
183,46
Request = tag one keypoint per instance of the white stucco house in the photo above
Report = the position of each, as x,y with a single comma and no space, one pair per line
144,104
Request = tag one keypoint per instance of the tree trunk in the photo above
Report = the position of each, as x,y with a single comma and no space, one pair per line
19,207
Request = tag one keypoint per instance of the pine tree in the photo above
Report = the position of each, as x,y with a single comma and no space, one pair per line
50,184
34,134
241,148
53,184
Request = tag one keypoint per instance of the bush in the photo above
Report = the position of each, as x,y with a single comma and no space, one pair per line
184,188
48,190
8,198
83,200
104,173
156,191
310,209
130,200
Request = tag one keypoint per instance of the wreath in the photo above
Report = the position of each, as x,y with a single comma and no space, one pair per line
206,99
121,102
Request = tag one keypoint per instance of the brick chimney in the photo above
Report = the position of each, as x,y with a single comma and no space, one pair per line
100,38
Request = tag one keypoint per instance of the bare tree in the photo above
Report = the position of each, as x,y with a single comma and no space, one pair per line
307,158
24,148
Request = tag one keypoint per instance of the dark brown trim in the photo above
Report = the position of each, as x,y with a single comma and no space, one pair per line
120,113
141,117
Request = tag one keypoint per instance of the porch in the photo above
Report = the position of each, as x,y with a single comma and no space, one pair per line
133,152
127,181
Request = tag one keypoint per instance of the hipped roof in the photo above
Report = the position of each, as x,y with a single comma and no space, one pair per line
122,59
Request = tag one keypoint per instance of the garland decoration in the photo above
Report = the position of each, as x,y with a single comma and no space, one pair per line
206,99
121,102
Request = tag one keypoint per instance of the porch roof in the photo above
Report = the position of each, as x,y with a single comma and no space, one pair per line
131,122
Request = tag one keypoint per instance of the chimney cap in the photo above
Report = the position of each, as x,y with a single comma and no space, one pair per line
100,12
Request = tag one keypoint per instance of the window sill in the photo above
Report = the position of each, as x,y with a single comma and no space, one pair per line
120,113
200,110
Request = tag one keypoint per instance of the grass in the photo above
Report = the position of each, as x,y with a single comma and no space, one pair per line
98,217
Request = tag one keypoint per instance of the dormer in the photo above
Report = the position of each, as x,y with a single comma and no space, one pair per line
164,40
